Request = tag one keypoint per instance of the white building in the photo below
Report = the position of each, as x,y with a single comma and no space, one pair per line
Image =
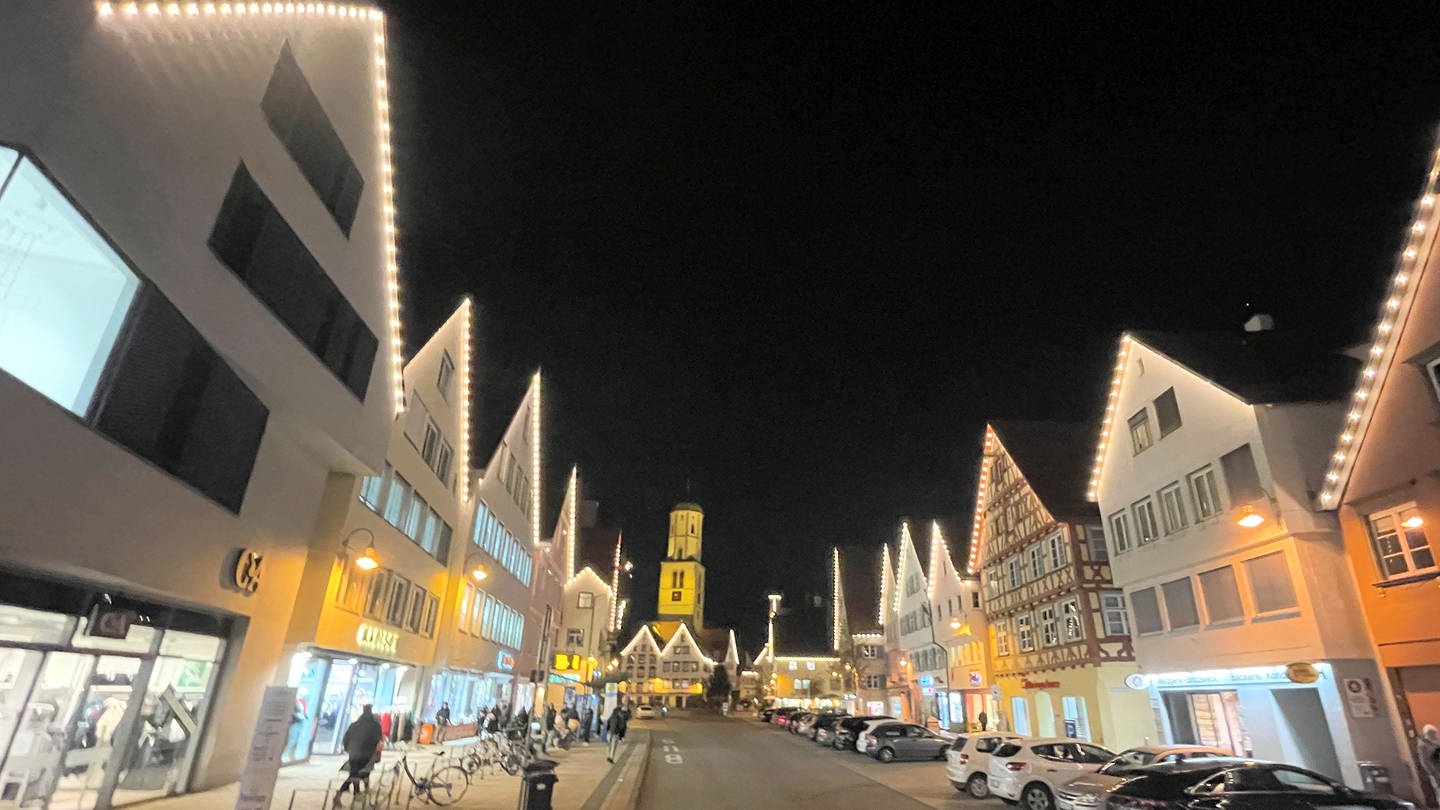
1245,617
924,678
199,333
960,626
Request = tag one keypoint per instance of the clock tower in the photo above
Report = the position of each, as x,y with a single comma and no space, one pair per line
682,577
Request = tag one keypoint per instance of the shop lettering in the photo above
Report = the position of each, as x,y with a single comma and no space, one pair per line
377,639
1024,684
110,622
246,575
505,661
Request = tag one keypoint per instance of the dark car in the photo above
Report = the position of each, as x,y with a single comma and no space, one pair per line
1281,787
848,727
1164,786
824,728
766,715
782,715
905,741
797,721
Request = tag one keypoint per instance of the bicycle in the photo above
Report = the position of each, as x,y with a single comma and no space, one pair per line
484,753
517,752
444,786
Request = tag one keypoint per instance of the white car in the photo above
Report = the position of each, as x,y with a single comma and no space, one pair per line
646,713
968,760
1085,793
1030,770
863,735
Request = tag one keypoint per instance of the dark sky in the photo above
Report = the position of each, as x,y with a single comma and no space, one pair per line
796,256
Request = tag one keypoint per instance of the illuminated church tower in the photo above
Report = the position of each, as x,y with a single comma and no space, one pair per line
682,577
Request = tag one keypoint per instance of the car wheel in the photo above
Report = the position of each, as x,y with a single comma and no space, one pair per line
1037,797
978,787
885,754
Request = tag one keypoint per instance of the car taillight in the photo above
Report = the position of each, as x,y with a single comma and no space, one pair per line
964,759
1014,767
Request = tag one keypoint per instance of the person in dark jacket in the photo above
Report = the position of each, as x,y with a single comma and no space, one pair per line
547,727
586,721
442,722
362,745
615,727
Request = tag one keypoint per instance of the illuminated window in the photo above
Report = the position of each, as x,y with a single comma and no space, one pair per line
1025,632
794,665
1002,637
1140,437
585,600
810,665
1400,549
1073,628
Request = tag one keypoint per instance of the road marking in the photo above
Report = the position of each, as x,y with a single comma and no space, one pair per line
668,740
669,748
672,751
674,759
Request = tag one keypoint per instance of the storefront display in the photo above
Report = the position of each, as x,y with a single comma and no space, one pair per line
331,690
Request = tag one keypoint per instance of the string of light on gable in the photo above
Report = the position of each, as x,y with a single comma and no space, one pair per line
835,597
467,353
536,480
615,584
884,581
1395,311
939,551
390,259
905,542
982,496
1107,425
573,535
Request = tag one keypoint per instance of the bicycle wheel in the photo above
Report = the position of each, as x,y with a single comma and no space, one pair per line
447,785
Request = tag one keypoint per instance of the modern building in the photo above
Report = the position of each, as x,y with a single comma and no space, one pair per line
1384,482
1245,617
366,619
1060,639
199,339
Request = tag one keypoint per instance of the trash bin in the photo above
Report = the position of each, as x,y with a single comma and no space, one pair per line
537,784
1374,777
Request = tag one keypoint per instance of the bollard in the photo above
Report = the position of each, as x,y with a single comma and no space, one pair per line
537,784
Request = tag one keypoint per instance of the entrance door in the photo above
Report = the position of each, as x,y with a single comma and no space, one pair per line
98,693
26,730
333,704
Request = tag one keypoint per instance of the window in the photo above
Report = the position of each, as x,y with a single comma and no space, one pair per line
447,374
585,600
1241,476
1120,531
415,617
1167,413
1270,583
975,599
810,665
1095,538
1140,431
1021,709
1222,595
794,665
431,445
397,600
377,604
254,241
1147,611
1055,549
1037,561
1025,631
1180,603
397,502
1002,637
414,515
354,582
1049,627
300,123
1012,568
1204,492
1302,782
443,457
1075,712
432,611
1172,508
1146,529
872,682
1116,618
1401,549
64,294
1072,628
372,487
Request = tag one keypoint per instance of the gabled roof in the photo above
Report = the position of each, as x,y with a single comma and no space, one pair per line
1258,367
1053,457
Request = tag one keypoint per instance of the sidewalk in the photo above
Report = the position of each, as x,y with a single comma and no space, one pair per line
308,786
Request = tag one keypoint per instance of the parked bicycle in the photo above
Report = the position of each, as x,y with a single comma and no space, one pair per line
445,784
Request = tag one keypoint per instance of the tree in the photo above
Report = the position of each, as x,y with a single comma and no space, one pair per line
719,683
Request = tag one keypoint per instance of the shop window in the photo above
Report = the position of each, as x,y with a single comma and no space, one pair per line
1146,606
1401,545
1167,413
1021,709
1270,582
1222,595
1180,606
1077,718
1204,492
64,293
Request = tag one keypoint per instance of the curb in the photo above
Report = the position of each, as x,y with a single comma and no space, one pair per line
626,793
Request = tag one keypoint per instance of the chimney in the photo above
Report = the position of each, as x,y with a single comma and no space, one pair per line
1260,323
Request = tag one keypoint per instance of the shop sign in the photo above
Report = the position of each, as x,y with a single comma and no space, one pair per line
108,621
504,661
1215,677
377,639
974,679
246,574
927,680
1136,681
567,663
1302,673
1029,684
1360,697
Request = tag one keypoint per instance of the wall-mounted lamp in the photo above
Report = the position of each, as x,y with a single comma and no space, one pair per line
475,566
1413,522
1249,518
367,561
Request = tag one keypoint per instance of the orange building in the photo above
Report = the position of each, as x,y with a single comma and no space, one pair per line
1384,481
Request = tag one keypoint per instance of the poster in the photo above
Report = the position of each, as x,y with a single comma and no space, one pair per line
262,760
1360,697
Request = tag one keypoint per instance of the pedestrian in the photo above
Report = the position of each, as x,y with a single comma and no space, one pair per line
984,720
586,721
616,727
442,723
1429,746
362,746
492,721
547,727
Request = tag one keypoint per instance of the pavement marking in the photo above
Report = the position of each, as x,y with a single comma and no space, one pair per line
674,759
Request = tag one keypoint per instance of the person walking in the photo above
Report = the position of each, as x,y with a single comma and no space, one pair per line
615,727
547,727
442,723
586,721
1429,749
362,744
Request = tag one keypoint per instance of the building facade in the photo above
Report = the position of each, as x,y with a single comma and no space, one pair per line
1244,614
198,339
1060,642
962,629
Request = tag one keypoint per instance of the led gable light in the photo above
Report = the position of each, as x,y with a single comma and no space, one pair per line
1249,518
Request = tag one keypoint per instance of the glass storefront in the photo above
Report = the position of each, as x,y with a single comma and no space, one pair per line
331,690
89,720
468,693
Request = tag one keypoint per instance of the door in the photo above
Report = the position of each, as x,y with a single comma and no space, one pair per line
99,694
332,719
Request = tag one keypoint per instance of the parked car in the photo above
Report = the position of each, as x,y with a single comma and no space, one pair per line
1162,786
847,729
865,730
783,714
646,712
1030,770
1084,793
894,741
824,729
968,760
1270,786
800,722
766,715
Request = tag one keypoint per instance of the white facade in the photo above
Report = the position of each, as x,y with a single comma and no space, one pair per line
204,537
961,627
923,666
1218,609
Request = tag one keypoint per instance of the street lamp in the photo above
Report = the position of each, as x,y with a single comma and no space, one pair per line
367,561
1249,518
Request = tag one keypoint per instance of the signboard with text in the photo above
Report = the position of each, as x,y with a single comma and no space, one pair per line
262,759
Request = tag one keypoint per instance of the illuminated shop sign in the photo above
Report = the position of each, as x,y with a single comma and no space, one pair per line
505,661
377,639
1245,675
1029,684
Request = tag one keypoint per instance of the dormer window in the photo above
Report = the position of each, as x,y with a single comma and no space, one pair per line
1140,436
1167,413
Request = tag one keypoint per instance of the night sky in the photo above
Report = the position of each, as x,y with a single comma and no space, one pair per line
795,257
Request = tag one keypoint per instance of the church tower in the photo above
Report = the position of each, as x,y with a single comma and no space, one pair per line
682,577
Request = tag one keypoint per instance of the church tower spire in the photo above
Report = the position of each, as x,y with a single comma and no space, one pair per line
682,577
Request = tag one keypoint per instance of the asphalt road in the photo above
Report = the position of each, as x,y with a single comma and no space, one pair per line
705,762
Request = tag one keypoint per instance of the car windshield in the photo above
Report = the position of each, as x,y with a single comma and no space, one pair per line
1127,761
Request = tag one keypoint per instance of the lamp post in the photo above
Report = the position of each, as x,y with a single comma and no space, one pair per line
367,561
